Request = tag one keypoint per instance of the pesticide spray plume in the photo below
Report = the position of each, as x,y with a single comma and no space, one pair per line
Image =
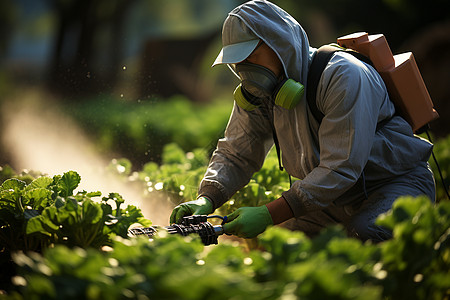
40,137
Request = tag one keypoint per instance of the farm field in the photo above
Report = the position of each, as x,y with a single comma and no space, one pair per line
109,114
45,221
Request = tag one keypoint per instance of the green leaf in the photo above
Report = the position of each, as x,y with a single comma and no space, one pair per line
35,225
40,182
92,212
13,184
70,212
44,223
68,183
117,198
129,216
403,210
10,192
94,194
37,197
60,202
8,199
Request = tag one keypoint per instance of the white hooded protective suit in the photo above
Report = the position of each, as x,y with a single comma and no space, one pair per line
335,159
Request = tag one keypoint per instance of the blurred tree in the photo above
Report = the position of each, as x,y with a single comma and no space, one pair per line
170,67
177,35
430,47
8,20
94,37
80,29
396,19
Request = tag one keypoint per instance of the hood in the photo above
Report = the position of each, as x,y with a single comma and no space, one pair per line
280,31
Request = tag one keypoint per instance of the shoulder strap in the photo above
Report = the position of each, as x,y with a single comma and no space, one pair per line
318,64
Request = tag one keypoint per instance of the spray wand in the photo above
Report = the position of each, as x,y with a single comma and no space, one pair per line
196,224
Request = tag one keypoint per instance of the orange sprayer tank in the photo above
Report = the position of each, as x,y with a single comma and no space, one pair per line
400,74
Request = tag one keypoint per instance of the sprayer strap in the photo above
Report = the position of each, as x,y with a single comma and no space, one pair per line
318,64
277,147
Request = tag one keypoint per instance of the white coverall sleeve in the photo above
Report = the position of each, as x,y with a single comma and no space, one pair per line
350,96
247,140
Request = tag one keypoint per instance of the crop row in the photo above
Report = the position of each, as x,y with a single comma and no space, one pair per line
60,244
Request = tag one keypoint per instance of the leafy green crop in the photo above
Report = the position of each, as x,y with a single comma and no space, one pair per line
287,265
417,261
178,176
180,173
45,216
46,212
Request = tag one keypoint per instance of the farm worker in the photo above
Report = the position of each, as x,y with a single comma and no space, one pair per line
352,165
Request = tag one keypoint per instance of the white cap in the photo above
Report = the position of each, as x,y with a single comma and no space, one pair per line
238,42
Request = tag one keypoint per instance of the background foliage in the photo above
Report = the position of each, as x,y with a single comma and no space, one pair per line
101,51
139,130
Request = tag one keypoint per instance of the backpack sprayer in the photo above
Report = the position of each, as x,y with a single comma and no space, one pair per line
403,81
400,74
197,224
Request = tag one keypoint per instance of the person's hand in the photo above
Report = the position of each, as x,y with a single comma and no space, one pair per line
201,206
248,222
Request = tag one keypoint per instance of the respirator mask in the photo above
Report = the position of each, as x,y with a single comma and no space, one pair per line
260,84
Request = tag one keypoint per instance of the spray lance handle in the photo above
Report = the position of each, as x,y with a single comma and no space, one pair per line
196,224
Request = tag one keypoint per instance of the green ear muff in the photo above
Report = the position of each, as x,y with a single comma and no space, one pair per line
241,100
289,94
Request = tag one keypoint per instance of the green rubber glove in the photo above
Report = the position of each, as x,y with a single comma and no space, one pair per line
201,206
248,222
